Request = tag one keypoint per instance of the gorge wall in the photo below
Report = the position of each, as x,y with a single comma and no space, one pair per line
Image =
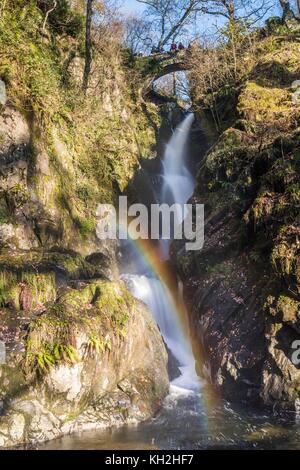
80,351
243,287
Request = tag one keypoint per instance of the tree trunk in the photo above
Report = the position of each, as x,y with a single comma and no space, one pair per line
287,12
88,45
177,26
229,5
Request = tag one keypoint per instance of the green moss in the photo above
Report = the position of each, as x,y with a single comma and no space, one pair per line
261,104
93,151
86,226
285,254
289,307
5,213
30,67
12,380
284,307
98,310
35,271
223,268
24,287
294,193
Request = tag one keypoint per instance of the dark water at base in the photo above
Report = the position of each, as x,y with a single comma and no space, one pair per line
184,424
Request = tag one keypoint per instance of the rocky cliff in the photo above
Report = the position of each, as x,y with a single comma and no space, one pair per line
245,283
77,351
94,358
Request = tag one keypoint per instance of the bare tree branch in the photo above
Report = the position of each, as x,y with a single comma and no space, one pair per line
47,14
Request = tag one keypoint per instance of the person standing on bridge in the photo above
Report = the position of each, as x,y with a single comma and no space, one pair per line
173,48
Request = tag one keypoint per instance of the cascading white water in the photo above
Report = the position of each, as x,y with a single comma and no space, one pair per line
178,182
177,188
150,290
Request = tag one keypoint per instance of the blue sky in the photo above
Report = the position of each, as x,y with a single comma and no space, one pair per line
132,6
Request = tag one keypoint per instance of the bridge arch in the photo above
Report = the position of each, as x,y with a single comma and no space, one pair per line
167,65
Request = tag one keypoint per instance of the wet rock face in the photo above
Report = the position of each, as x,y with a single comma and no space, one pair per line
243,287
93,359
244,327
227,318
105,261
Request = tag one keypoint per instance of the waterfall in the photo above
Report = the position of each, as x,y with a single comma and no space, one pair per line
177,188
178,182
155,295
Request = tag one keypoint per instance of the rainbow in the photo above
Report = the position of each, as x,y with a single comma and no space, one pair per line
152,255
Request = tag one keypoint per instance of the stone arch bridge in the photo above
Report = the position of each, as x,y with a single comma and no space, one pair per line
163,64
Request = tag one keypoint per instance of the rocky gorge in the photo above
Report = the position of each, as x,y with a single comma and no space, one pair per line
82,347
243,287
79,351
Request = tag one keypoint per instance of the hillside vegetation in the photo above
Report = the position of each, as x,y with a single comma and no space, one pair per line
83,149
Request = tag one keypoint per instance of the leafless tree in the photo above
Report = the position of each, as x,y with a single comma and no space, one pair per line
138,34
170,17
242,10
54,5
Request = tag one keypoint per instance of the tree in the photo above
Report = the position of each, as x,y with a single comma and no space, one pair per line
138,34
169,17
88,45
60,17
48,13
287,11
243,10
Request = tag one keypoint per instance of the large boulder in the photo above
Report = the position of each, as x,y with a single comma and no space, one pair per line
94,358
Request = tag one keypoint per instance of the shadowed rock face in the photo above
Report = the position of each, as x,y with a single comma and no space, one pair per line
244,315
243,287
93,359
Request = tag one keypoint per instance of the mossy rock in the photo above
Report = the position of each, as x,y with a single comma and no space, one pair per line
285,256
98,310
290,309
31,279
23,284
93,349
81,153
261,104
